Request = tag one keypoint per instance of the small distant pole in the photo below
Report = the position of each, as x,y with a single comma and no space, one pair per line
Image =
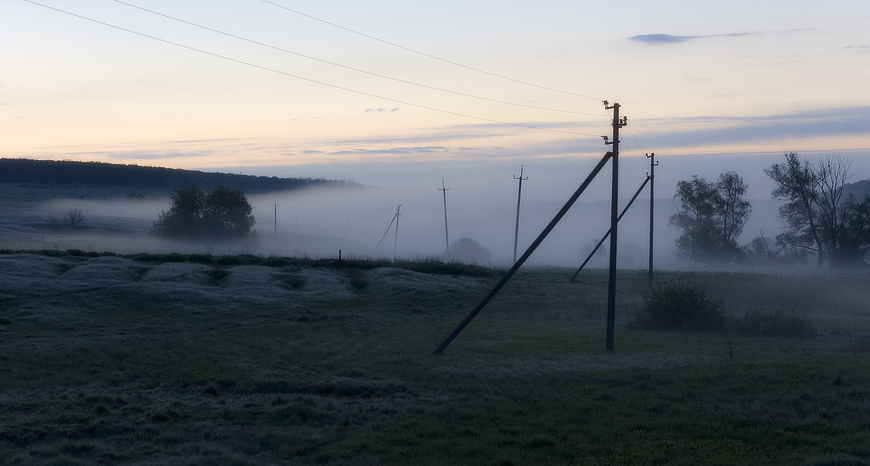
519,196
276,218
446,234
652,166
396,240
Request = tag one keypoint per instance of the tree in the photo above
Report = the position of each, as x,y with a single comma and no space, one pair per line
712,216
193,214
74,218
819,216
469,251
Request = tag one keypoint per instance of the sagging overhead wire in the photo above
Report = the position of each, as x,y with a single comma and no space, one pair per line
393,44
302,78
358,70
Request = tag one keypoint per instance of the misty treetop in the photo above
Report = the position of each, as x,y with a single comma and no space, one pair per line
712,216
220,214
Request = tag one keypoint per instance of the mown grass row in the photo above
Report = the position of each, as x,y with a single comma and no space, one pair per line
353,382
423,265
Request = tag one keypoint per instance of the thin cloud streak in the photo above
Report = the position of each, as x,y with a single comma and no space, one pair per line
663,39
851,121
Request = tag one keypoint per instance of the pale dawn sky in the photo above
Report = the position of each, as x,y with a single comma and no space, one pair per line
386,90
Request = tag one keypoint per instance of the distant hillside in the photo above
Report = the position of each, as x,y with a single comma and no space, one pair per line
107,174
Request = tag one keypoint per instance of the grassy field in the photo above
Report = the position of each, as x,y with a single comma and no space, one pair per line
131,360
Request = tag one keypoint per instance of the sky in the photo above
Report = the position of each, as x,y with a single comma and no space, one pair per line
402,94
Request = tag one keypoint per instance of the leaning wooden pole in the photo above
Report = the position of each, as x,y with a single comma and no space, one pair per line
607,235
519,262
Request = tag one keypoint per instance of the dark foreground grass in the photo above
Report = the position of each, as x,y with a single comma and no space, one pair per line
354,382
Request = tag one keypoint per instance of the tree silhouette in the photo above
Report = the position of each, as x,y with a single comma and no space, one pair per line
217,215
712,216
820,216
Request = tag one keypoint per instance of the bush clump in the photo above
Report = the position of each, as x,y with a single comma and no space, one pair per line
680,306
778,323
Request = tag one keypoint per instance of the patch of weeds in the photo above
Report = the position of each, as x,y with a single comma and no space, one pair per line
357,279
210,389
201,258
64,268
229,260
680,306
162,416
276,261
217,276
76,448
778,323
291,281
862,344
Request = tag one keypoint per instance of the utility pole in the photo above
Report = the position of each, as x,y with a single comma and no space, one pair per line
446,234
519,195
652,166
276,219
396,240
614,221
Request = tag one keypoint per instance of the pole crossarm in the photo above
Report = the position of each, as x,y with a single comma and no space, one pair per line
525,255
607,235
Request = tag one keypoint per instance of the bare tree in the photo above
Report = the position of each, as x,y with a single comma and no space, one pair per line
819,217
74,218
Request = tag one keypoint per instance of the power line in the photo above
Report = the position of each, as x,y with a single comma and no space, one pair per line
335,86
393,44
358,70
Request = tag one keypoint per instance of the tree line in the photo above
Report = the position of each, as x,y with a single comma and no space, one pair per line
65,172
825,217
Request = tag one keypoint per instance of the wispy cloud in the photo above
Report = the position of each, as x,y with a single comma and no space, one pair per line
663,39
835,122
392,151
381,110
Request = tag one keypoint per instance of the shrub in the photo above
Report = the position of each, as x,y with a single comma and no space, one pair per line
680,306
774,324
194,214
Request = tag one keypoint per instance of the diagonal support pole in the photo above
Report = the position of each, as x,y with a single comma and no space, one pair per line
607,235
385,233
510,273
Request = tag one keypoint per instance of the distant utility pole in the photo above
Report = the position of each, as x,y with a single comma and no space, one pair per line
396,221
446,234
519,196
614,221
652,166
276,218
396,240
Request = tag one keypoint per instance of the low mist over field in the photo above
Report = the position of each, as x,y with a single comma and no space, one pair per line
317,222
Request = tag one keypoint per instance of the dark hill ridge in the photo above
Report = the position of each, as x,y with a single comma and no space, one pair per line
107,174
